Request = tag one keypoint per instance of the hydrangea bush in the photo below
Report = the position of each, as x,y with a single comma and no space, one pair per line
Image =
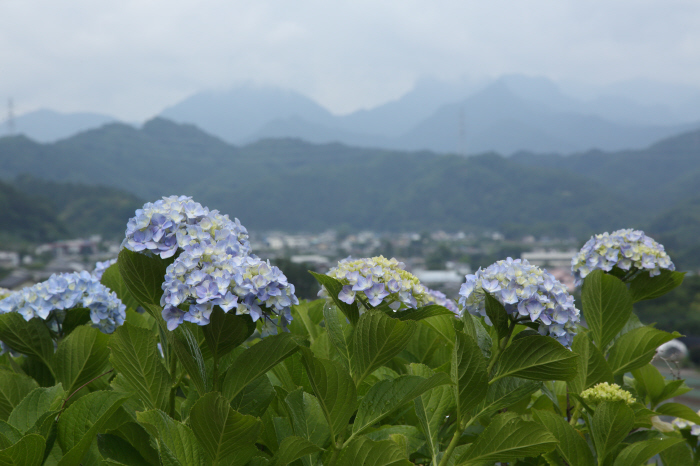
381,371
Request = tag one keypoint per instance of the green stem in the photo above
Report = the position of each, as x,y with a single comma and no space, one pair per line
450,448
501,346
173,389
574,417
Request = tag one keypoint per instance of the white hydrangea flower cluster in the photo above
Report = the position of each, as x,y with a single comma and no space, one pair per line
210,274
51,299
626,249
439,298
100,268
173,223
376,280
526,291
683,424
606,392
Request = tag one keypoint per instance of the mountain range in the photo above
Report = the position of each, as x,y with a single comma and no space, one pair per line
505,115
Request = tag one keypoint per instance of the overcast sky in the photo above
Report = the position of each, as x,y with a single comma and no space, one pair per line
132,58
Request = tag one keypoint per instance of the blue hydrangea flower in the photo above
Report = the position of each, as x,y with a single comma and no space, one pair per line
439,298
526,292
51,299
173,223
627,249
100,268
377,279
211,273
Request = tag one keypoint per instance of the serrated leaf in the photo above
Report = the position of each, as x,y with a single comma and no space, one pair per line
646,287
36,403
186,348
503,393
506,438
334,287
226,331
365,452
432,310
649,383
607,305
28,451
443,325
227,436
413,436
339,332
139,439
136,358
468,373
256,361
592,366
572,446
610,424
81,422
388,395
291,449
377,339
678,410
75,318
474,328
13,388
177,444
119,450
640,452
637,348
677,454
537,358
497,314
27,337
307,417
142,275
112,279
255,397
334,390
80,357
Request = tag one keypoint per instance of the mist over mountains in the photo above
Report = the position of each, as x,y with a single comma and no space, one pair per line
505,115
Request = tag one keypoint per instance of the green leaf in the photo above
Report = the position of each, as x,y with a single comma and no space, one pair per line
607,305
443,325
188,352
140,440
112,279
255,397
432,310
507,438
678,410
432,408
177,444
291,449
76,317
143,276
339,332
226,331
80,357
307,417
117,449
412,434
227,436
651,385
677,454
32,406
136,358
28,451
334,390
474,328
640,452
636,348
257,360
388,395
365,452
377,339
592,366
537,358
31,338
646,287
611,423
13,388
505,392
334,287
81,422
498,315
468,372
572,446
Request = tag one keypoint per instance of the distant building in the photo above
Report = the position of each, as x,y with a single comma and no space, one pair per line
549,258
438,277
319,261
17,281
9,260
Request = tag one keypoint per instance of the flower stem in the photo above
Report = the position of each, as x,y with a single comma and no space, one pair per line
450,448
501,346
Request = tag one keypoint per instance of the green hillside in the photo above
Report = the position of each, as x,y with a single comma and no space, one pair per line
27,218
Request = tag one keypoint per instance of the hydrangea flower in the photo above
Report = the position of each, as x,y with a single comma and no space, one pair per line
606,392
683,424
4,293
172,223
210,274
439,298
526,291
626,249
51,299
100,268
376,280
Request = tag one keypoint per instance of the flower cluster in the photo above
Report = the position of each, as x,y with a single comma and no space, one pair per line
683,424
173,223
4,293
100,268
51,299
626,249
378,280
606,392
526,291
439,298
209,274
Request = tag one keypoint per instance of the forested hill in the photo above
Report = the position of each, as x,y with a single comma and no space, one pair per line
292,185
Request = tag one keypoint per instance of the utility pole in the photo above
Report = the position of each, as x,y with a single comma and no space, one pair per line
10,117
